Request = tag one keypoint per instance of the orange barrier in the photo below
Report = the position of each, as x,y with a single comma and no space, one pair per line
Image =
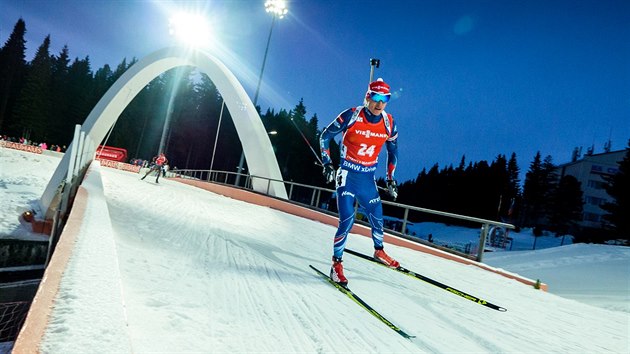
287,207
119,165
22,147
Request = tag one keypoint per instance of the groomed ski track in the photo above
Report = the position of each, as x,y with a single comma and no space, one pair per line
200,272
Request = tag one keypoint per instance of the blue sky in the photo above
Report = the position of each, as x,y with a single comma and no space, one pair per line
473,78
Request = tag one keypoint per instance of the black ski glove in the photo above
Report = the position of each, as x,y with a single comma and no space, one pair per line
329,173
392,188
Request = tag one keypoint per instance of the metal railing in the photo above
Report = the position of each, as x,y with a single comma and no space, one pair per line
322,199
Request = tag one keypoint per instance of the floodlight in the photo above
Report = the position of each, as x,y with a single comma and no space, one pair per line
277,7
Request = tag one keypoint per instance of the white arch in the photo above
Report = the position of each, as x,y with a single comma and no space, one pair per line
254,139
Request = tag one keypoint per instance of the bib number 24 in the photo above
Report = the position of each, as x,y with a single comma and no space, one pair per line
366,150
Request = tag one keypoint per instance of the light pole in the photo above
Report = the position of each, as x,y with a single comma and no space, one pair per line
216,138
277,8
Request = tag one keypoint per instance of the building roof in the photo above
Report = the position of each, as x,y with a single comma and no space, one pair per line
593,156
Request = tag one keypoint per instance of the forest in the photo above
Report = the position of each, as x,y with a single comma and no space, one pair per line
41,100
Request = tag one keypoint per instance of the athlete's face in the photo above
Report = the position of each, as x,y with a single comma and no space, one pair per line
376,107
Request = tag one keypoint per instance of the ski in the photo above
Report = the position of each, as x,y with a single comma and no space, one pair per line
431,281
363,304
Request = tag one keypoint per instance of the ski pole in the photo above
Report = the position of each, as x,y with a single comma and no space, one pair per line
307,143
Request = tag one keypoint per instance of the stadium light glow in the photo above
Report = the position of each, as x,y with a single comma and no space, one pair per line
277,7
191,29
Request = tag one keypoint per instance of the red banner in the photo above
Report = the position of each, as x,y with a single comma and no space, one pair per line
111,153
119,165
17,146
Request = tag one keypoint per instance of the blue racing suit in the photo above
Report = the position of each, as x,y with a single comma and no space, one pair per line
364,134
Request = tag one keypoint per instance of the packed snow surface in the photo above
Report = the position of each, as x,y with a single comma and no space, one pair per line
193,271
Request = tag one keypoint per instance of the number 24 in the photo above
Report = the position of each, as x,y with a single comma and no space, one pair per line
366,150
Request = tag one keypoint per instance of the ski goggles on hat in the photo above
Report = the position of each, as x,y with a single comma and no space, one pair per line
379,97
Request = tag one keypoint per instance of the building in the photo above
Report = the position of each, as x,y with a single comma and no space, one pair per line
591,171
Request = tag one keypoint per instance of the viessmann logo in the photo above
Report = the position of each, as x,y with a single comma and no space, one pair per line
379,88
370,134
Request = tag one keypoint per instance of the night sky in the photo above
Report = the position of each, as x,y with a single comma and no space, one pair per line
473,78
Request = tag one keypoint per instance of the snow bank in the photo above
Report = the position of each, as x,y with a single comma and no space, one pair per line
83,281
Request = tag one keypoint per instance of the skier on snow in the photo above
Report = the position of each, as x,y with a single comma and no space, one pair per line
365,130
158,166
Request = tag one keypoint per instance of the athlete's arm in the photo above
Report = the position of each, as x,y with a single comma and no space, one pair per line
392,151
335,127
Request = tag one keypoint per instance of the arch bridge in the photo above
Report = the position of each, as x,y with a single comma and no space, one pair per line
251,132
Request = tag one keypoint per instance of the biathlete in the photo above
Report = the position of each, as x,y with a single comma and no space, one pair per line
158,165
365,130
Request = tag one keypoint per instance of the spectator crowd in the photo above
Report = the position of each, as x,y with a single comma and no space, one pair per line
25,141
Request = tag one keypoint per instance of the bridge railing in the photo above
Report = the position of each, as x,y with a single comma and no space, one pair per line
404,224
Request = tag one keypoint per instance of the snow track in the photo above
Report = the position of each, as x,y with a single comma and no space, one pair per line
201,272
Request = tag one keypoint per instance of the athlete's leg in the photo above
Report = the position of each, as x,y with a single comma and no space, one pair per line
345,206
146,174
370,200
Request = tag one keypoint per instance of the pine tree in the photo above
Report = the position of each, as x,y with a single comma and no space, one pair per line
619,189
514,190
499,185
549,186
32,110
531,192
513,173
80,89
305,142
102,80
550,177
12,70
565,205
540,181
61,97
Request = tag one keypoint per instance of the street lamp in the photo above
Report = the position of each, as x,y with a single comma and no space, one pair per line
194,31
278,9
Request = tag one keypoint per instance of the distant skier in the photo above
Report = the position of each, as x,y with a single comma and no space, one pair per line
365,130
158,165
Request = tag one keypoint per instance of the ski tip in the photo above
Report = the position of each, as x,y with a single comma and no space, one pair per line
502,309
405,335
